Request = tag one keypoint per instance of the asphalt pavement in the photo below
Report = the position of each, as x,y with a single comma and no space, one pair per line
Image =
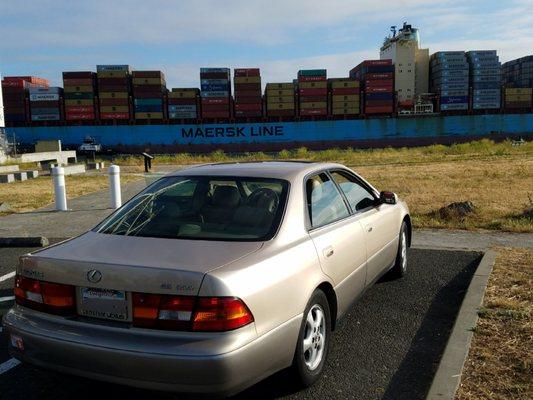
387,347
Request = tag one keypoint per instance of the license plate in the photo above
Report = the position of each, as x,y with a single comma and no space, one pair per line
104,304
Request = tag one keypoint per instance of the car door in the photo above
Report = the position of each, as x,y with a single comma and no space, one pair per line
378,222
338,237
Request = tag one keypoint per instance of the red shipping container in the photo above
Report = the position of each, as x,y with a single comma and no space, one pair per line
113,81
78,75
215,107
248,107
14,109
147,74
280,113
189,101
248,100
149,88
378,83
377,62
379,110
45,104
311,99
114,102
19,83
388,89
78,82
381,76
345,91
248,113
238,72
247,87
313,111
215,114
311,78
378,103
248,93
313,92
70,116
79,109
215,100
148,95
113,88
115,115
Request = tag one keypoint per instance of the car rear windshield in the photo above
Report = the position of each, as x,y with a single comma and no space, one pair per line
203,207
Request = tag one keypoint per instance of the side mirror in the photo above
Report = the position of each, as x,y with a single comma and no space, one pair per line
388,197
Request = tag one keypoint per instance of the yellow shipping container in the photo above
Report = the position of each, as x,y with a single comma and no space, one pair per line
280,99
147,115
247,79
279,92
345,97
313,85
312,105
182,95
112,74
348,83
509,91
279,86
344,104
280,106
113,95
148,81
345,111
81,102
517,97
114,109
84,89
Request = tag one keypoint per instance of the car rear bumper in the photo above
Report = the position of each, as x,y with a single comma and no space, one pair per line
219,364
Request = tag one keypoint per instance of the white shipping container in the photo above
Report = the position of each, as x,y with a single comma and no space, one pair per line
101,68
44,97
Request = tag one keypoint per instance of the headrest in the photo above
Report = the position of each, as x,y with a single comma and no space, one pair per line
226,196
264,198
316,189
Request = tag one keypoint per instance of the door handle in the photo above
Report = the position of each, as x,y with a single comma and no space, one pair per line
328,251
369,228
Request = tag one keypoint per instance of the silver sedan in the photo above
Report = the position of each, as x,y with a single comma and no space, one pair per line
210,279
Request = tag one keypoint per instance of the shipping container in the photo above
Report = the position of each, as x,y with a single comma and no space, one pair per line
114,82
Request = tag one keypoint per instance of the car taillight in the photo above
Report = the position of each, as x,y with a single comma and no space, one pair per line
53,298
211,314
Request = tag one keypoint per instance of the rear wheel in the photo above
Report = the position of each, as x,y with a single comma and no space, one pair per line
313,342
400,265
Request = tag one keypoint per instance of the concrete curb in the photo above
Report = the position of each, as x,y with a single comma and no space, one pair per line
30,241
448,375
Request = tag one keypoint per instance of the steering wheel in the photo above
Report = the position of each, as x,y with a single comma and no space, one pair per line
266,195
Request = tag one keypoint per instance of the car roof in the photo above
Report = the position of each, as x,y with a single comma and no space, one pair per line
288,170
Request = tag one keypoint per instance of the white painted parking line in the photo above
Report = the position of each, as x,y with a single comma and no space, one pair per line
11,363
7,276
6,298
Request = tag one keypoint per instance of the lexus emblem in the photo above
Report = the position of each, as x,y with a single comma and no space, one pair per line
94,276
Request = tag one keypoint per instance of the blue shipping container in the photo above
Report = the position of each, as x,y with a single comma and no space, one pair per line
454,99
379,96
158,108
148,102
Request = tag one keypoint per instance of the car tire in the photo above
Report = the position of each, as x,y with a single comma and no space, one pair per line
399,269
313,341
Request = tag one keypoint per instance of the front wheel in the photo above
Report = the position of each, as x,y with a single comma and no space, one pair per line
400,264
313,342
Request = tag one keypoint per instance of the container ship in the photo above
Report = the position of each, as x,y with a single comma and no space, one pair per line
407,97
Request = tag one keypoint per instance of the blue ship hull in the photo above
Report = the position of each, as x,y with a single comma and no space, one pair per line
273,135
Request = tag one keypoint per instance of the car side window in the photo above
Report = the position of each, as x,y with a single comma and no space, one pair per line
357,195
324,201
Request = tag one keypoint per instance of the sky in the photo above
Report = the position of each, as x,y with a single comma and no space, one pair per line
46,37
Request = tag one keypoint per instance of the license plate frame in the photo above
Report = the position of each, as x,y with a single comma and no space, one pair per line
105,304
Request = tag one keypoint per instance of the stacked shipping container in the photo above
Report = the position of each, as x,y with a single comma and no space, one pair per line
313,92
15,92
114,91
248,95
216,92
183,103
449,79
517,76
80,93
280,99
377,78
485,79
45,103
344,95
149,89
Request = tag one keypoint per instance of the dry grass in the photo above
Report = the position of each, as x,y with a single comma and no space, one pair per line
500,362
36,193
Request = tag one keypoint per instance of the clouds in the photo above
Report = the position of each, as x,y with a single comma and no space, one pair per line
45,37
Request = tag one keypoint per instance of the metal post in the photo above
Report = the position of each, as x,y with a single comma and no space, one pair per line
114,186
58,175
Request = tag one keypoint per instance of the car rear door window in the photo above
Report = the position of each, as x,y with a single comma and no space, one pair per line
324,201
357,195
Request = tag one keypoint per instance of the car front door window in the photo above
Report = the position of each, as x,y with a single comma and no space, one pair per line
358,196
324,201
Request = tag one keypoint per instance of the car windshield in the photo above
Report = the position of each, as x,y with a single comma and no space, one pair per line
203,207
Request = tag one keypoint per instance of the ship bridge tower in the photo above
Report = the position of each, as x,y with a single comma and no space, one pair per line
411,64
